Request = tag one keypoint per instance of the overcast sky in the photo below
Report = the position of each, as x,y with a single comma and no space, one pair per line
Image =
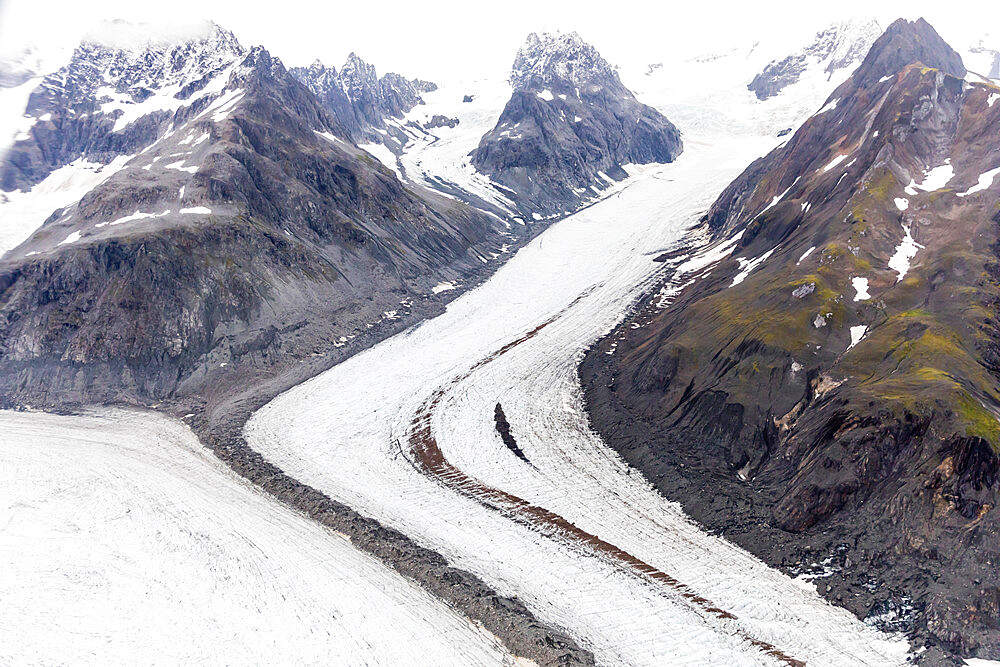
450,39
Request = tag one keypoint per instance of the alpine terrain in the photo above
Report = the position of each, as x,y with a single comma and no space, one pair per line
633,356
825,394
208,212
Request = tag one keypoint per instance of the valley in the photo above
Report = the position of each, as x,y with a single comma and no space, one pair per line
598,364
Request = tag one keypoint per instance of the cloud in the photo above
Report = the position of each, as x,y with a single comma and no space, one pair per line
452,39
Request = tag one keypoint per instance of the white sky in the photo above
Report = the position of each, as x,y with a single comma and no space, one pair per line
452,39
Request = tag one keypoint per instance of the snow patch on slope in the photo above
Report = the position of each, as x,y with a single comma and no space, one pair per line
72,238
934,179
905,251
860,286
383,155
138,215
857,334
834,162
748,265
830,106
985,181
21,213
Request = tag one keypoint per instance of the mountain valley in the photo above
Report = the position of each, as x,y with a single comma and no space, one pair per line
584,362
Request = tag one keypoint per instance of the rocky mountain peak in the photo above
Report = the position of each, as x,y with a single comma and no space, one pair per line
357,76
260,65
125,55
906,43
137,59
558,56
118,94
569,128
318,69
847,42
119,35
359,99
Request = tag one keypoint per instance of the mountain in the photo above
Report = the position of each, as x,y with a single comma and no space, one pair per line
569,128
827,393
840,46
358,98
117,95
236,228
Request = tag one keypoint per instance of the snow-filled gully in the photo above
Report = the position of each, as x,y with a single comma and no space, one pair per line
405,432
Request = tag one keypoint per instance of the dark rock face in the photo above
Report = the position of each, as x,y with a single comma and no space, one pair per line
569,121
503,430
439,120
89,107
754,403
358,98
836,47
325,85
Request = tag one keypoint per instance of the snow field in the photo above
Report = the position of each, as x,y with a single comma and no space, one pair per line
126,542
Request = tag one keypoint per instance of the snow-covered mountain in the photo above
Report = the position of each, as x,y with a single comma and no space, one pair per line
710,93
569,128
453,139
358,98
118,94
840,46
558,58
241,195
